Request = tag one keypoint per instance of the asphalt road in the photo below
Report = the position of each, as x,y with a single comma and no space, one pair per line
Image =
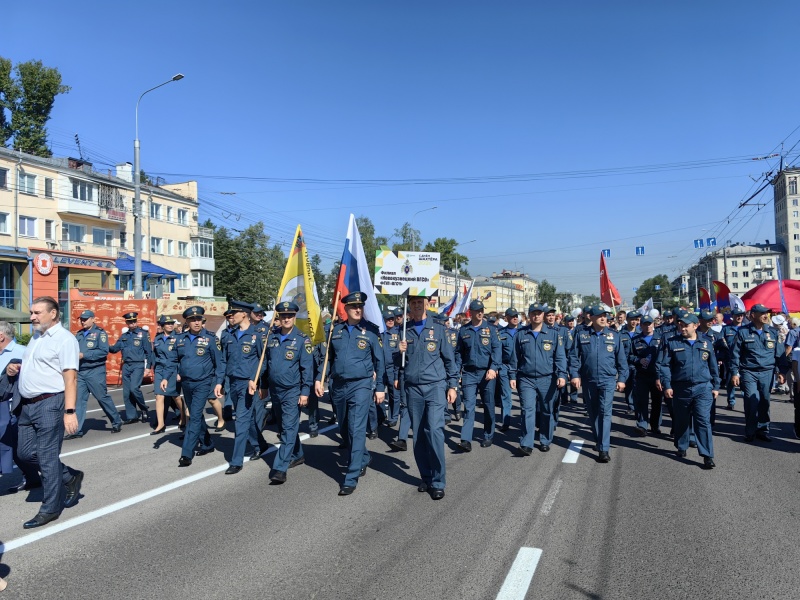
647,525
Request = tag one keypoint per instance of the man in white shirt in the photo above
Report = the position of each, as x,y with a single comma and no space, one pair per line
48,380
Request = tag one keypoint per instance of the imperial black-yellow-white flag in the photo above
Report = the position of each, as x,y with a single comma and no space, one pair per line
298,286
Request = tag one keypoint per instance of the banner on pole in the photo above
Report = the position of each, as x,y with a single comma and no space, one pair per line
412,273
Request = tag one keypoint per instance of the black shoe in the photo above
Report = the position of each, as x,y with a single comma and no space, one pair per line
390,423
204,451
145,418
437,493
400,445
220,427
130,421
24,486
603,457
505,427
465,446
456,416
364,468
255,455
278,476
708,462
159,431
40,519
73,489
640,431
297,462
332,420
731,407
485,443
233,470
422,487
346,490
525,450
763,435
656,431
749,438
343,444
797,432
182,428
116,428
184,461
74,436
692,444
313,434
544,448
680,453
372,435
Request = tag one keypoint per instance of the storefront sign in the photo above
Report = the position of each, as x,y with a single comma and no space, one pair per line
79,261
44,263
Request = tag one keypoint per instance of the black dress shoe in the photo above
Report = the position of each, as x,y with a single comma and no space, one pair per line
603,457
255,455
313,434
544,448
39,520
400,445
145,418
332,420
343,444
346,490
204,451
74,436
184,461
130,421
693,444
297,462
116,428
708,463
278,476
485,443
159,431
390,423
233,470
749,438
372,435
465,446
680,453
763,436
505,427
24,486
220,427
525,450
422,487
437,493
73,489
364,468
456,416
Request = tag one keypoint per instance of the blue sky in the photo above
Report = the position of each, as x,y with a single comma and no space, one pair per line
383,108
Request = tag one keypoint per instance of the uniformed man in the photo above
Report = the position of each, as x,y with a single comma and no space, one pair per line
202,370
242,350
431,377
569,393
755,360
93,345
704,328
356,358
452,338
724,352
628,330
391,337
647,392
597,361
690,378
262,416
230,327
551,322
290,370
165,373
506,335
537,370
479,355
136,349
404,424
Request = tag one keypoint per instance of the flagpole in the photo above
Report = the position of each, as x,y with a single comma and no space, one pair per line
330,333
405,321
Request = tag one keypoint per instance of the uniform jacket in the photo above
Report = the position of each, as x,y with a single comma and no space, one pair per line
598,358
93,344
539,355
200,357
356,354
289,363
479,350
683,364
430,357
641,349
135,346
751,351
166,354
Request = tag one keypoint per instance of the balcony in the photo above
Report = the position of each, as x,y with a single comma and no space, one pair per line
200,263
84,247
205,233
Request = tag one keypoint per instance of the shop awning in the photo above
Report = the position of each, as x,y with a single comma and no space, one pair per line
14,316
125,265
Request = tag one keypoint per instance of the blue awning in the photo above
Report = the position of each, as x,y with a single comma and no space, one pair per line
125,265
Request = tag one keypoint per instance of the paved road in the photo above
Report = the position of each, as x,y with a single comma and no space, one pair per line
647,525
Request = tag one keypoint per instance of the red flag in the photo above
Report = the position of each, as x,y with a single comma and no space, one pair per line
608,291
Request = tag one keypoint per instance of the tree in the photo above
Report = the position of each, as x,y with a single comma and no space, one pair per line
547,293
367,231
30,98
446,247
409,238
648,289
320,280
591,300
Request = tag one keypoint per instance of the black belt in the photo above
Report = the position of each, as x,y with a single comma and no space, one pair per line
39,398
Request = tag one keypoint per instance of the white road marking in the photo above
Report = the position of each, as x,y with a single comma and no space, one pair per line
118,406
519,578
573,452
550,499
117,506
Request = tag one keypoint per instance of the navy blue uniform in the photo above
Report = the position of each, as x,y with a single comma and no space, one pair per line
166,364
643,361
136,349
506,335
538,360
478,350
723,349
627,336
690,370
93,344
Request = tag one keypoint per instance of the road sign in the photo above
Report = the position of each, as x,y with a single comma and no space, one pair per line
607,253
698,243
711,242
639,250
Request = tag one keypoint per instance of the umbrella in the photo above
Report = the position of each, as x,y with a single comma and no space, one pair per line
14,316
768,294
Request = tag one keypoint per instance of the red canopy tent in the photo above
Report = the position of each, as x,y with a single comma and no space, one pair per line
768,294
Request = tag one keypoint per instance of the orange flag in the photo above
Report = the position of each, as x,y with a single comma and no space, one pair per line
608,291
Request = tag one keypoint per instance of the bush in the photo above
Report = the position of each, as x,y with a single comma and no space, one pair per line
23,339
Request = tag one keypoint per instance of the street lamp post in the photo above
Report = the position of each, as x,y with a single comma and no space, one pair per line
456,253
137,203
413,235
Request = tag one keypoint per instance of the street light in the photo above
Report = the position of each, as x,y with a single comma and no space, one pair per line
137,205
456,253
413,235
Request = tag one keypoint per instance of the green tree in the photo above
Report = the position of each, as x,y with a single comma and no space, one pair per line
6,95
367,231
648,289
591,300
30,98
320,280
409,238
547,293
446,247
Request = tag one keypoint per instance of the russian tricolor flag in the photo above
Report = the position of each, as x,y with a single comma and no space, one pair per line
354,277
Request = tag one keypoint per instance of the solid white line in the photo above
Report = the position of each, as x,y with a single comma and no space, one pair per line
550,499
118,406
573,452
519,578
117,506
119,388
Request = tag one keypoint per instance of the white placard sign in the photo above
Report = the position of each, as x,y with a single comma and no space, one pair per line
414,273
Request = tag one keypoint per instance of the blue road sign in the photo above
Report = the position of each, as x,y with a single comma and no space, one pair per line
711,242
639,250
607,253
698,243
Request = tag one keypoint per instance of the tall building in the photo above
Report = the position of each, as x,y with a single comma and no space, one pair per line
787,220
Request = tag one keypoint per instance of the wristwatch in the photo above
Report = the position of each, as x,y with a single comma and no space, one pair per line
69,411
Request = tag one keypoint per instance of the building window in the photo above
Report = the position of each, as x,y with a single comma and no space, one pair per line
797,271
736,286
27,226
745,262
48,187
183,216
27,183
745,274
71,233
769,274
49,230
123,239
83,190
3,179
202,279
155,245
183,249
769,262
155,211
746,285
735,274
796,225
170,247
169,214
3,223
796,236
203,249
734,263
758,262
794,202
102,237
183,282
793,185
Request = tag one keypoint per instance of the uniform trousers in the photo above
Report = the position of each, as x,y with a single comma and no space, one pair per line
394,402
426,405
647,400
256,424
8,444
729,387
691,405
599,402
196,394
537,397
504,385
312,410
756,387
473,383
41,432
132,374
352,400
405,417
288,412
94,380
243,403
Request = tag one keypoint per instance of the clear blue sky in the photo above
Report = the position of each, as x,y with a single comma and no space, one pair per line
353,94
